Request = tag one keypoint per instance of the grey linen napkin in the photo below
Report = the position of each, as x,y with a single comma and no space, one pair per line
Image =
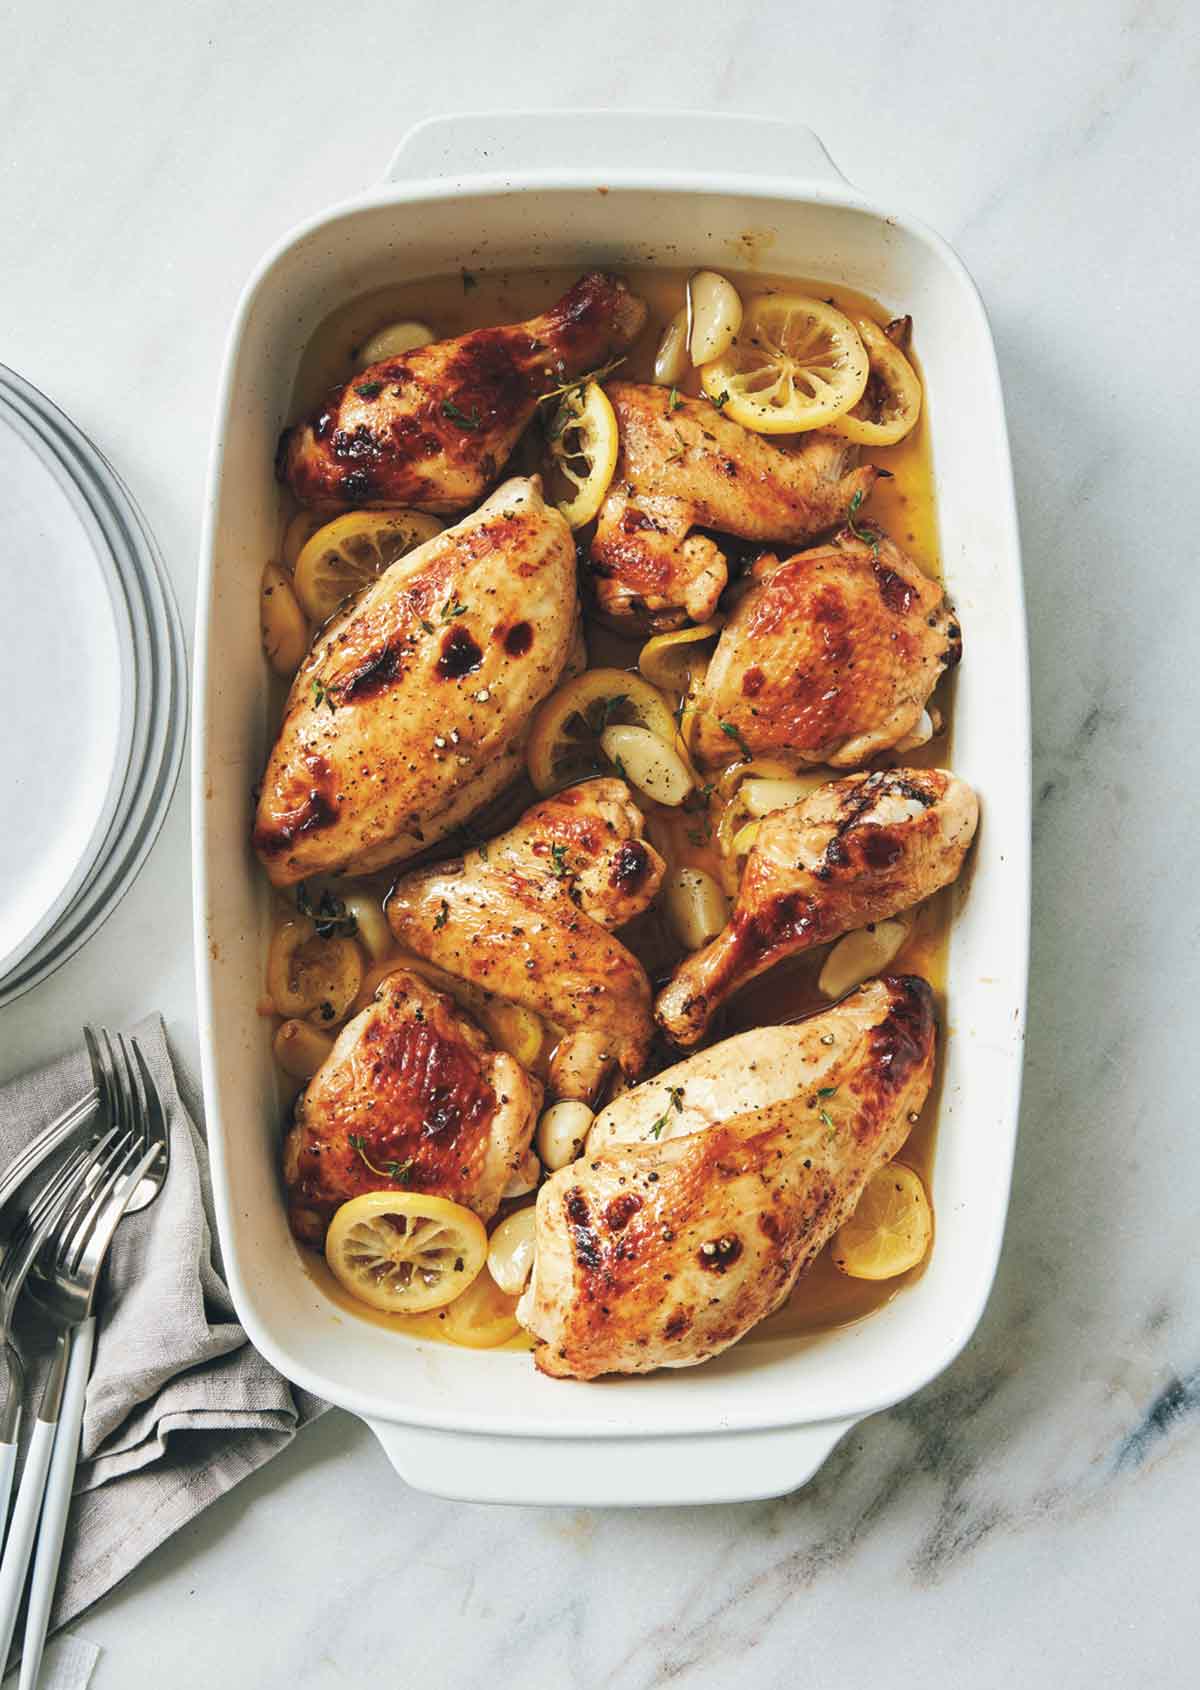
179,1406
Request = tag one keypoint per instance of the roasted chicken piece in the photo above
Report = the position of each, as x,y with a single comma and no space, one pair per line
411,1097
527,917
682,465
853,852
413,708
829,658
432,428
661,1250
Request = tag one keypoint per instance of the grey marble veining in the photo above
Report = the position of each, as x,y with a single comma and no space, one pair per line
1028,1517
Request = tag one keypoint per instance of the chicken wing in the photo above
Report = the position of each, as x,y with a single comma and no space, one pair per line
853,852
527,917
829,658
682,465
411,1097
432,429
413,709
657,1250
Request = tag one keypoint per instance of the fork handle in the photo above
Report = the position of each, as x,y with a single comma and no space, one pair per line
8,1466
19,1542
58,1501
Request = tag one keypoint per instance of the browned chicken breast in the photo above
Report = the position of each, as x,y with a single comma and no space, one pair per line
854,852
658,1250
412,1097
432,429
682,465
527,917
413,708
830,658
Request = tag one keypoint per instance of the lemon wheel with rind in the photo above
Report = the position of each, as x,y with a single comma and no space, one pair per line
405,1252
796,364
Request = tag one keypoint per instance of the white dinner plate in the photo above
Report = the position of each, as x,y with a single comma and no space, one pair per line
152,677
68,717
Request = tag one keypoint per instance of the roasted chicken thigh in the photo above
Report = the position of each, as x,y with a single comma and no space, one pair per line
829,658
413,708
528,918
683,466
853,852
432,429
411,1097
704,1192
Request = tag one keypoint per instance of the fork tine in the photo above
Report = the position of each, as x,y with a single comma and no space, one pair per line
117,1091
61,1185
129,1084
156,1121
100,1074
77,1228
102,1223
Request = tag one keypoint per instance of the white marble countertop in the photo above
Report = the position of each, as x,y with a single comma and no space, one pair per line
1029,1517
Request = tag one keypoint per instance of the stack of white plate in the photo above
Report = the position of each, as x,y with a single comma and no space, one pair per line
94,710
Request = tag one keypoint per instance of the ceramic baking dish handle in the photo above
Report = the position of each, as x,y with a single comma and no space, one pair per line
695,143
609,1473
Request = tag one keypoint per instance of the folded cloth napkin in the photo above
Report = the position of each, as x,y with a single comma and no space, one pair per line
179,1405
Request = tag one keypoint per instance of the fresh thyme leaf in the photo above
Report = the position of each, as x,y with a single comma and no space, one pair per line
827,1119
460,417
453,607
442,916
358,1143
428,626
368,389
329,914
601,712
674,401
619,766
719,400
732,731
868,535
558,860
673,1101
580,382
828,1091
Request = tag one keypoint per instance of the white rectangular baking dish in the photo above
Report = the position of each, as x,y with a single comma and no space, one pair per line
614,189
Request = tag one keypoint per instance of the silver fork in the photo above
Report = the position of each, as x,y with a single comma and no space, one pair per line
72,1183
38,1151
26,1240
64,1286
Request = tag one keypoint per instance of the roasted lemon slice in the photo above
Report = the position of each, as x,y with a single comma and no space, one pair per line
352,551
564,745
797,363
889,1232
891,402
404,1252
298,533
482,1317
583,446
670,660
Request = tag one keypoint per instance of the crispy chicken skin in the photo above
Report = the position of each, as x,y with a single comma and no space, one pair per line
682,465
434,1108
527,916
829,658
853,852
432,429
413,709
663,1252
